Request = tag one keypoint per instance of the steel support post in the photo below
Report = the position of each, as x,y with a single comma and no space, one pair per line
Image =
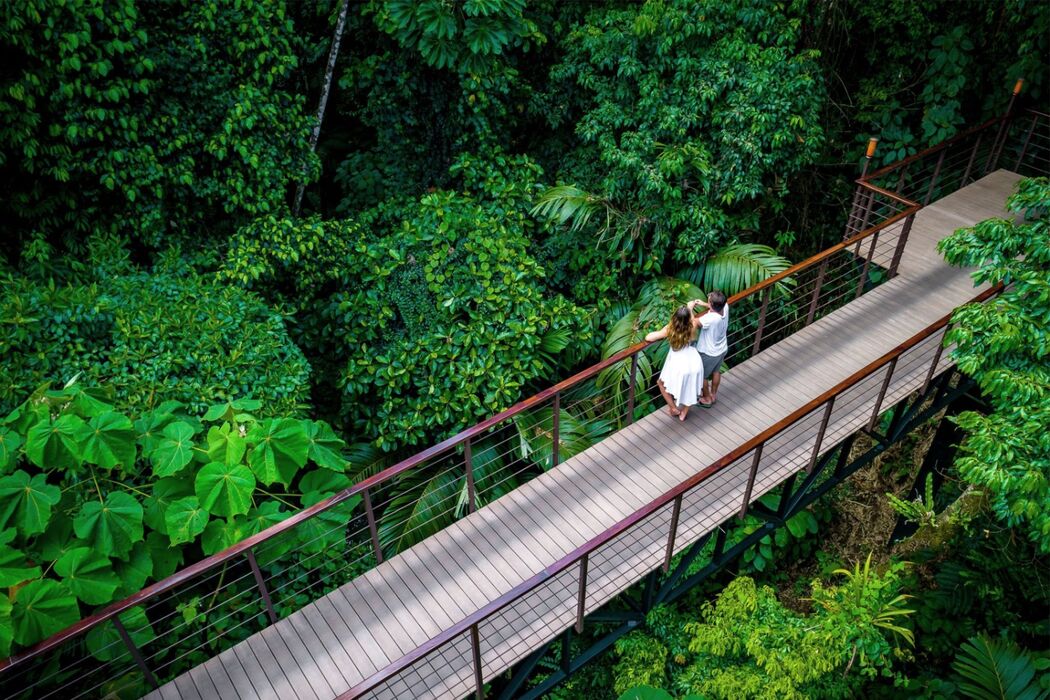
633,380
261,583
468,464
372,530
135,653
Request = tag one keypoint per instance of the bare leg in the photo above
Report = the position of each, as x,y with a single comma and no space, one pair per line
716,377
683,413
672,408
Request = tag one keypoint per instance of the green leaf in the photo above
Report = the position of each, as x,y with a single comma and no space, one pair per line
227,411
57,538
105,643
225,444
325,447
134,573
110,528
166,556
42,608
222,533
224,489
10,441
323,481
51,445
165,492
88,575
280,449
13,569
645,692
27,501
109,440
328,529
997,670
7,630
174,450
149,429
185,520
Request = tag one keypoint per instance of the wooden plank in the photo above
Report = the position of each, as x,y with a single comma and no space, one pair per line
366,663
261,683
295,659
381,597
351,604
220,678
242,684
202,680
284,684
187,688
323,650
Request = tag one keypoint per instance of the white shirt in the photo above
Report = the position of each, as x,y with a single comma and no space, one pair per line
712,340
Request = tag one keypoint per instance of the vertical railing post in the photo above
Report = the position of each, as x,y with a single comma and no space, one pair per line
370,515
475,647
261,583
969,163
751,479
933,367
936,174
816,291
556,430
632,380
900,180
135,653
820,435
867,263
468,461
1027,140
766,294
673,533
882,394
581,597
902,240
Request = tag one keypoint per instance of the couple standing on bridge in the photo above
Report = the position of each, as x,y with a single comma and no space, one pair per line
698,345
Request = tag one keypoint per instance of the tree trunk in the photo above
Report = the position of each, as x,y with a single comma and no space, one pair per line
326,87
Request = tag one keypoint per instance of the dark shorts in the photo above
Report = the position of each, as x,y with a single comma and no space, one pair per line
711,363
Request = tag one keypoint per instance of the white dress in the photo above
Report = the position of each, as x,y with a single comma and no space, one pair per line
683,374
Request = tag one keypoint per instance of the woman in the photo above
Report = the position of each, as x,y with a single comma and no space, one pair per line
683,373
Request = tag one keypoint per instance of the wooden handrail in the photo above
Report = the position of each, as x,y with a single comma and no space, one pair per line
613,531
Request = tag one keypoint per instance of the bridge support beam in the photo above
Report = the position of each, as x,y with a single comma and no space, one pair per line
658,587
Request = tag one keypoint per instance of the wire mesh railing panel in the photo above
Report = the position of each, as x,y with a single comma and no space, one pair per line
709,503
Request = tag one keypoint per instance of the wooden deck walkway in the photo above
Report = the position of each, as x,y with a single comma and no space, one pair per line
334,643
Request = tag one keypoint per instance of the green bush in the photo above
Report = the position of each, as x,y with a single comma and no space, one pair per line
152,337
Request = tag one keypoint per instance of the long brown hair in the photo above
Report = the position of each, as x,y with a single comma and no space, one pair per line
680,329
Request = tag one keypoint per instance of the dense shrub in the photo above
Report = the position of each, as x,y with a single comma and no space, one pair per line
152,337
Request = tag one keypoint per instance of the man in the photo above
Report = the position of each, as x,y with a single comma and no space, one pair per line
712,344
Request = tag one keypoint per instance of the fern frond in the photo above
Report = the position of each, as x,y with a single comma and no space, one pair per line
564,203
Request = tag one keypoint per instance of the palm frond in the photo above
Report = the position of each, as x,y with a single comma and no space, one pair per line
564,203
997,670
737,267
536,435
424,503
365,460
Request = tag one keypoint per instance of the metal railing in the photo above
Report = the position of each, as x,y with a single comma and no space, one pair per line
166,627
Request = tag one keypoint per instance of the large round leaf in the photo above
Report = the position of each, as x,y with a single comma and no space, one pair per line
134,572
222,533
105,644
165,492
13,568
27,501
110,440
42,608
7,630
186,519
10,441
174,450
326,530
325,446
110,528
258,519
166,556
55,444
225,444
225,489
324,481
280,449
88,575
149,429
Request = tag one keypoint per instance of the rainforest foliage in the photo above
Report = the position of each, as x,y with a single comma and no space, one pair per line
500,193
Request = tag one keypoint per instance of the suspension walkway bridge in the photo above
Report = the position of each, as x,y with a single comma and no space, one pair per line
818,353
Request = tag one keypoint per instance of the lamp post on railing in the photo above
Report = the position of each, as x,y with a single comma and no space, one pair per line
1000,136
854,207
